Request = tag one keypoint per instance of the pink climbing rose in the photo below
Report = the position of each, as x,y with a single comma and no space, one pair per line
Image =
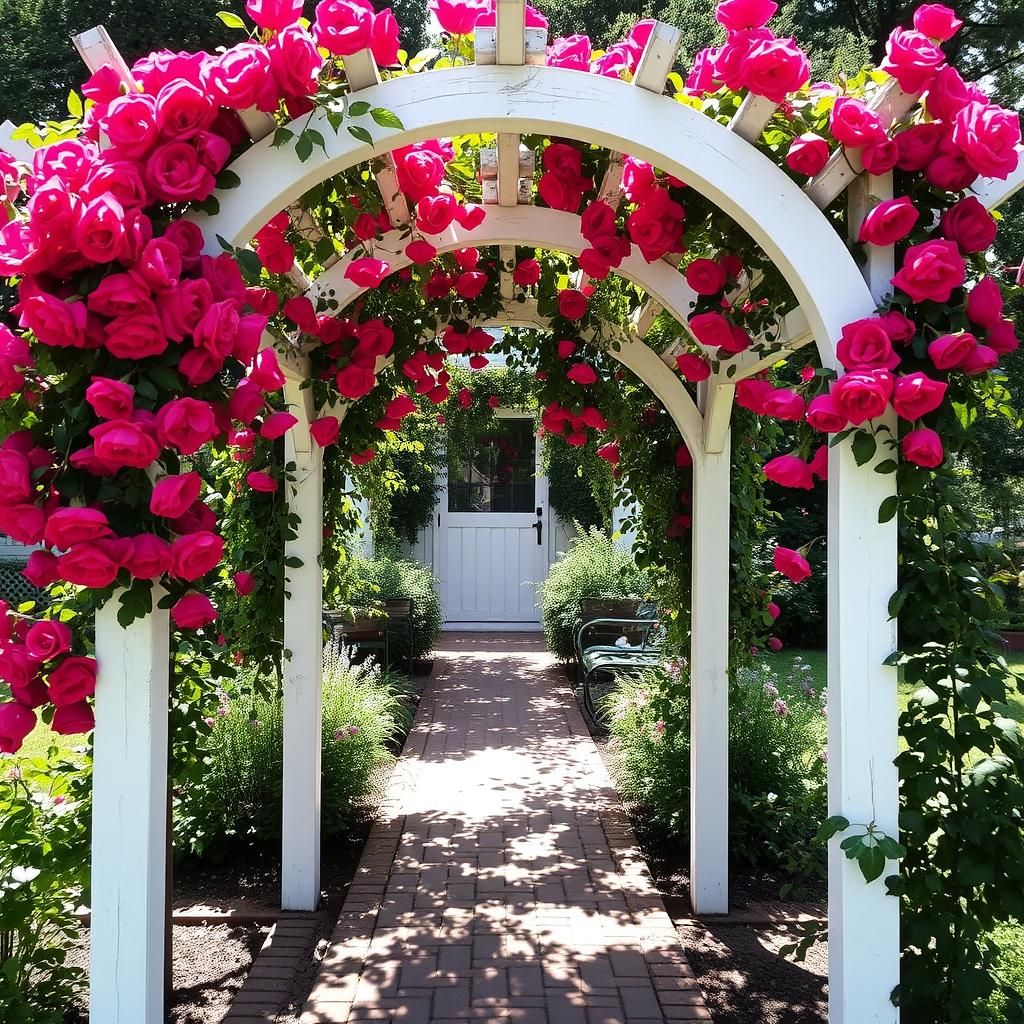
791,564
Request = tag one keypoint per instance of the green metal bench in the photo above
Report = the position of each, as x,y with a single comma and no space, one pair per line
616,636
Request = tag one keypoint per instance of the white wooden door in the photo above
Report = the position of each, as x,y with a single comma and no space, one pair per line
493,531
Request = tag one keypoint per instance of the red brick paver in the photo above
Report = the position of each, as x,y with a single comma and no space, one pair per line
502,881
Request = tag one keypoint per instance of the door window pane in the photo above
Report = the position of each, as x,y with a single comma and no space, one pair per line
500,475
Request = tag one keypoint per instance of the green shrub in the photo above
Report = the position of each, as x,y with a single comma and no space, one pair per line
44,861
776,771
363,581
239,797
592,567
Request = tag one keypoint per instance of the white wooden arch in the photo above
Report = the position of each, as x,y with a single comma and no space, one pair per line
720,163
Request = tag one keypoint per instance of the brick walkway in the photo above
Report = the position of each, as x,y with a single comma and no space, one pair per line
502,882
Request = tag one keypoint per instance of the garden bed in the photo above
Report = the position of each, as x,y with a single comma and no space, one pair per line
735,957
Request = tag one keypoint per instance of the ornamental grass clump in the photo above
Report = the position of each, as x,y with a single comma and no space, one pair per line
776,767
238,801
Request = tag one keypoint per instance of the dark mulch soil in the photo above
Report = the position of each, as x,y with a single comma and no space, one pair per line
738,966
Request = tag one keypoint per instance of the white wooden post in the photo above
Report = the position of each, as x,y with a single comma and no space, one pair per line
129,820
303,669
709,684
863,784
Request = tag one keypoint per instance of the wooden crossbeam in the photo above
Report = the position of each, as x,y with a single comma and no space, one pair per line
97,49
362,73
754,113
644,316
651,72
844,165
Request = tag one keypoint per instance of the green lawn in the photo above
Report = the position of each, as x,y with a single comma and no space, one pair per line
783,663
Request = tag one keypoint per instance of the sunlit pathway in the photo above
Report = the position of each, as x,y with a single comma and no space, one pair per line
503,880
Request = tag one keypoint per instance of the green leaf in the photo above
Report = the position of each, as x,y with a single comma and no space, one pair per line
227,179
386,118
888,508
249,262
871,861
864,447
281,136
886,466
231,20
164,377
75,108
832,826
225,244
358,108
360,133
304,147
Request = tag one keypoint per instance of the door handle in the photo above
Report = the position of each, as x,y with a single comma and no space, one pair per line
539,526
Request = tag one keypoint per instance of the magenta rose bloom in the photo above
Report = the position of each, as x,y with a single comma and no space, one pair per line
47,640
193,611
459,17
186,424
854,125
120,443
970,225
912,59
175,174
862,395
866,345
916,394
435,213
89,565
936,21
824,414
985,303
693,367
274,14
110,399
295,61
572,52
196,554
16,722
150,557
931,271
923,447
72,719
706,277
807,154
735,15
582,373
774,68
988,136
889,222
67,526
791,564
789,471
173,495
73,680
949,351
572,303
343,27
325,431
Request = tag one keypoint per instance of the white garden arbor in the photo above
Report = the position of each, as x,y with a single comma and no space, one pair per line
511,97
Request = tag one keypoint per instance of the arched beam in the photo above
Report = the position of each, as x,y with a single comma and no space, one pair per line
533,226
716,162
553,229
